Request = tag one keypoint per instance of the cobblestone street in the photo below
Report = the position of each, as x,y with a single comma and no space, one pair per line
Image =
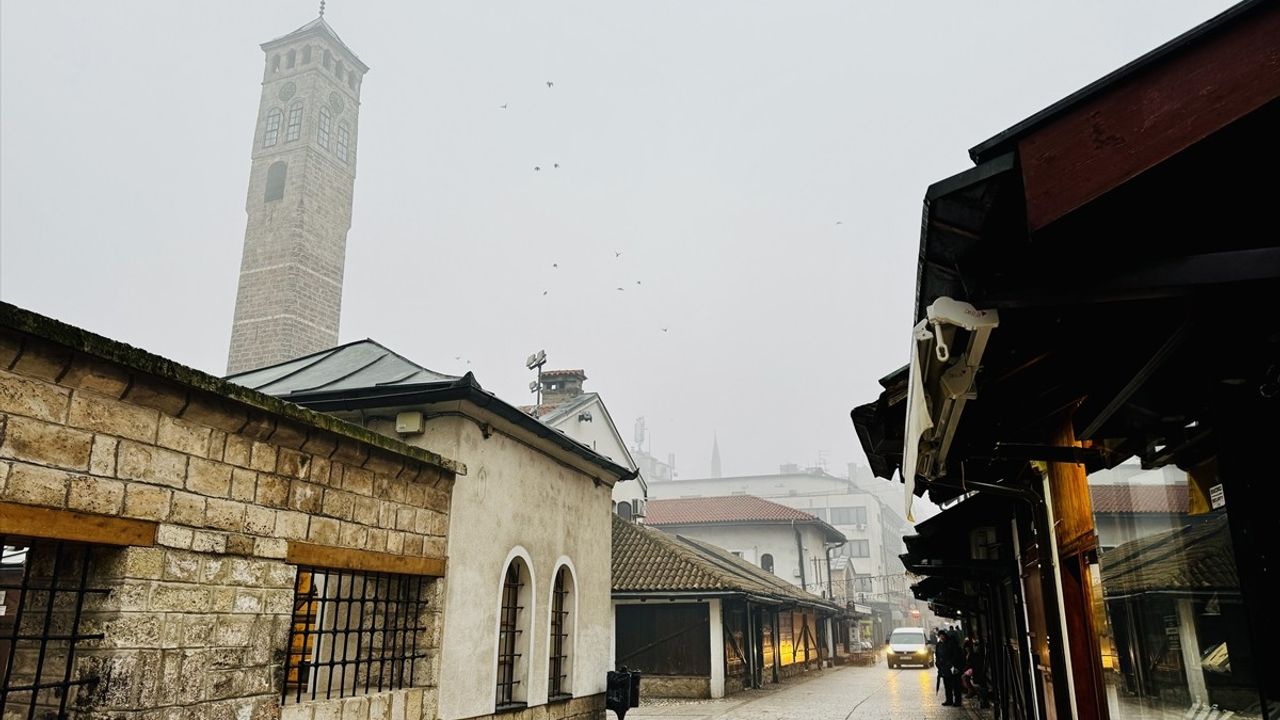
845,693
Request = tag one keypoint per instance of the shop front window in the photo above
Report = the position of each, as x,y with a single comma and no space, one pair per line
1173,630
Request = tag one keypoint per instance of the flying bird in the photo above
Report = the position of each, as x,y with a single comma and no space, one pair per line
637,282
839,222
617,253
536,168
544,292
549,83
621,289
555,265
504,106
457,357
556,164
664,329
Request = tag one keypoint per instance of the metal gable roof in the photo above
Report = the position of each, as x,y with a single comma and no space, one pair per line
359,364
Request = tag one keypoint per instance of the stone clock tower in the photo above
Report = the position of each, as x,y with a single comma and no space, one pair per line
299,203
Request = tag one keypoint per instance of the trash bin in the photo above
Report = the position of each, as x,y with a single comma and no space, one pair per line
622,691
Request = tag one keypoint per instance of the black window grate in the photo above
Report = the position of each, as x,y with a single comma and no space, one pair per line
44,585
354,633
508,632
559,656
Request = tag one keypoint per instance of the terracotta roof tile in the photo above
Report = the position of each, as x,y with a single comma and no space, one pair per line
1139,498
649,560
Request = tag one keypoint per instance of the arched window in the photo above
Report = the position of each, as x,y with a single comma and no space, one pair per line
344,140
275,181
274,118
339,70
275,63
322,132
328,60
766,562
560,647
293,129
351,80
513,635
624,510
306,54
292,59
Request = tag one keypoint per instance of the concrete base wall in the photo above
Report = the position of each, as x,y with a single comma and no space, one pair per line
590,707
674,686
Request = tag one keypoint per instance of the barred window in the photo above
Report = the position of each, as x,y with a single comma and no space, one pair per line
294,128
274,118
322,133
559,665
343,139
43,586
513,637
355,633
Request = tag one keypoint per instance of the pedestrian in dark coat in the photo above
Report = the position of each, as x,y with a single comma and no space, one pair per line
949,659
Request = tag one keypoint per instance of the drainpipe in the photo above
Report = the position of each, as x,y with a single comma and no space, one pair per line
799,554
830,595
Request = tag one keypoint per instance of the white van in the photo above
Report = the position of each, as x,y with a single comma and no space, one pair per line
908,646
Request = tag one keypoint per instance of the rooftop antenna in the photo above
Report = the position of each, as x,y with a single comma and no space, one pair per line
321,8
536,360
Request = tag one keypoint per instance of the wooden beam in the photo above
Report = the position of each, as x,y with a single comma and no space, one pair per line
300,553
56,524
1166,349
1143,120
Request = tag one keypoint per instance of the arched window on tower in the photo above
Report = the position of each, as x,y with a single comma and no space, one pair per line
328,60
344,141
275,181
292,59
766,562
294,128
306,54
340,70
351,80
275,63
274,118
322,130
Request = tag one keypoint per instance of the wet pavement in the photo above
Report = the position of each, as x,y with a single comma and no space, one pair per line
844,693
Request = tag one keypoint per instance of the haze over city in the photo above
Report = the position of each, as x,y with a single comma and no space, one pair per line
721,232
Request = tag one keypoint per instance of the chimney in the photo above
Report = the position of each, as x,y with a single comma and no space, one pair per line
561,386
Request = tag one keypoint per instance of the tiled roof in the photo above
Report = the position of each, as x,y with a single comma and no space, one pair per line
1139,498
1196,557
560,373
649,560
726,509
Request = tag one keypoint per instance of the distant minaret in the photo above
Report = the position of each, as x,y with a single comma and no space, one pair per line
715,456
299,203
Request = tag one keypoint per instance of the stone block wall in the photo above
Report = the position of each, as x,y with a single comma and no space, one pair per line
674,686
236,483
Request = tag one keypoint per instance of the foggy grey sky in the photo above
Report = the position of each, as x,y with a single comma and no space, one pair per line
715,144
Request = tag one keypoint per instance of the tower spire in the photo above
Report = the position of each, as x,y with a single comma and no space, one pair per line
321,8
715,455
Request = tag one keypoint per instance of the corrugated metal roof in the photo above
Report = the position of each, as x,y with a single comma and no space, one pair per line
356,365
